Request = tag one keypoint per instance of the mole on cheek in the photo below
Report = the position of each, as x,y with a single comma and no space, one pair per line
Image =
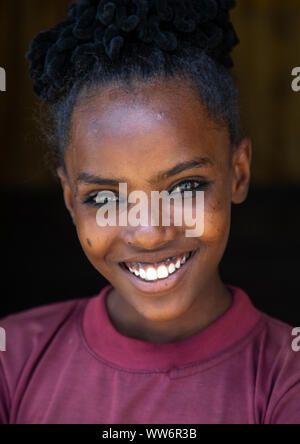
89,242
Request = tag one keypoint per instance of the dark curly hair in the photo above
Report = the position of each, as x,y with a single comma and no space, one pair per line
126,41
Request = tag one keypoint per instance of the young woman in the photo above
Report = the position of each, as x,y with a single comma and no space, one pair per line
141,94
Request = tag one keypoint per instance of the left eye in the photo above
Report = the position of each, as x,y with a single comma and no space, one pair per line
107,197
190,185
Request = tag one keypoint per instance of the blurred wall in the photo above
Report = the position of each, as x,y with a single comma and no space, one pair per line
269,49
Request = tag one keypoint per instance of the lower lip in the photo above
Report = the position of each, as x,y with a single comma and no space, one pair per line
161,285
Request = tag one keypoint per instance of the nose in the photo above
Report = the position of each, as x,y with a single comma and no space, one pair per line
148,236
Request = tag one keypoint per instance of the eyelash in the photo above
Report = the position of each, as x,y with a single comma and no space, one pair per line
202,185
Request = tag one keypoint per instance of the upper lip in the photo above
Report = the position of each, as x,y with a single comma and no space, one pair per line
153,259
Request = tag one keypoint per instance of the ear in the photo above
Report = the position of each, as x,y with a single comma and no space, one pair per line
241,163
67,191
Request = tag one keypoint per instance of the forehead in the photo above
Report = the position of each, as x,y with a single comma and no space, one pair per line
151,122
115,109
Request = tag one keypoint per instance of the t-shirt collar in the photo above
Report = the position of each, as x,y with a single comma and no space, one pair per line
130,353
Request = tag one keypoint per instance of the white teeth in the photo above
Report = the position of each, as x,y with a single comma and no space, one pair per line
142,273
171,268
162,272
151,274
178,264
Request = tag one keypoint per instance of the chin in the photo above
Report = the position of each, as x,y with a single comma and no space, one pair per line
161,311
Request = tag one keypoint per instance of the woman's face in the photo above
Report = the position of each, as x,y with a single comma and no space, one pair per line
134,138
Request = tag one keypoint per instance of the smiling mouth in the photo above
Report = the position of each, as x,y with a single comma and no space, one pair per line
158,271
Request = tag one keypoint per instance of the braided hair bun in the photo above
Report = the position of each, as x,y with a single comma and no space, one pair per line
105,31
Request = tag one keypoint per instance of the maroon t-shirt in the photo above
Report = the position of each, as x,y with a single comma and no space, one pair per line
66,363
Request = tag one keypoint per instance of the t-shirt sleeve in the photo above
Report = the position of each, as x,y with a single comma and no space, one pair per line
287,410
4,396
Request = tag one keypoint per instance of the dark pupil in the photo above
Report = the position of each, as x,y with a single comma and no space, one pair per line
187,184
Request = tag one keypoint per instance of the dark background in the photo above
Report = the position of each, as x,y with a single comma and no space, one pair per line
42,261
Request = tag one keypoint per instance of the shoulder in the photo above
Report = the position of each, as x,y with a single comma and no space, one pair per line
276,335
278,371
37,321
273,340
28,334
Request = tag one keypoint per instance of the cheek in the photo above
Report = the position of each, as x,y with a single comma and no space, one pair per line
94,240
217,223
217,215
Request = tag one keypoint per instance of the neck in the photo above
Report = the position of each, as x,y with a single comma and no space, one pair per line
208,305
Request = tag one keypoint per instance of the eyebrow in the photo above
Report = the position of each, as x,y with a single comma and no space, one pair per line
198,162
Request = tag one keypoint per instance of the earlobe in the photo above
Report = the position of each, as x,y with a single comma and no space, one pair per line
66,191
241,164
